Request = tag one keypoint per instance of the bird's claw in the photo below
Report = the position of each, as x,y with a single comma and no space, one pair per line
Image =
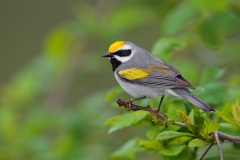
129,108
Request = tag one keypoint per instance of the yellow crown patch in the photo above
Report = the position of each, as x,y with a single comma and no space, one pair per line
115,46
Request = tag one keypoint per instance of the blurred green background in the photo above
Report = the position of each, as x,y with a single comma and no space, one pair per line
54,81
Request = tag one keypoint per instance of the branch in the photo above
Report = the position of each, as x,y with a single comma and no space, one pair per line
180,124
132,107
228,137
215,134
205,151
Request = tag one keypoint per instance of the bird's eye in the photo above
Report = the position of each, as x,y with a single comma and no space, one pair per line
123,53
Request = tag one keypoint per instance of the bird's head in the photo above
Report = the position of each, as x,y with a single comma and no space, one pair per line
122,51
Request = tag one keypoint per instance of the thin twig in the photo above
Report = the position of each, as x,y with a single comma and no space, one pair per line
205,151
180,124
218,145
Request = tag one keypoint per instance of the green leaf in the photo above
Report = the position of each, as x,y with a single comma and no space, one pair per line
209,127
163,47
173,151
204,125
211,74
179,140
184,118
226,117
197,143
236,111
112,121
166,135
154,131
178,18
229,118
125,120
112,93
150,145
193,129
128,150
215,5
191,116
198,119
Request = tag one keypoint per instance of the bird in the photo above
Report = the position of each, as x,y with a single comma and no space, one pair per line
143,75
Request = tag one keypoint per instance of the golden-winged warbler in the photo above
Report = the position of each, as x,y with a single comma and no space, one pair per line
143,75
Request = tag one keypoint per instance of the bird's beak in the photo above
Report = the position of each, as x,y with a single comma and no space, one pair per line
107,55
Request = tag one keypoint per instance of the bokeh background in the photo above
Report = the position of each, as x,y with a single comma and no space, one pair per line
53,80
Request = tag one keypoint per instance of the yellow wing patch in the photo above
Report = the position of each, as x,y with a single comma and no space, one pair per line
134,73
115,46
164,69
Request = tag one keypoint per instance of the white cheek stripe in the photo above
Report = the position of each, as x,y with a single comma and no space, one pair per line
123,59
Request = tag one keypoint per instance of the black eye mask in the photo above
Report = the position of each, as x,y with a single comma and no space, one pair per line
123,53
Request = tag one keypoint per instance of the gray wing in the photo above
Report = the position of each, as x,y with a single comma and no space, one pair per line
159,76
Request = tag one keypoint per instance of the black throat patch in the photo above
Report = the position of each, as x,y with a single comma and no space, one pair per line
115,63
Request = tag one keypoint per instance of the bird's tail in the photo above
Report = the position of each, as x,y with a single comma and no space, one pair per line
184,93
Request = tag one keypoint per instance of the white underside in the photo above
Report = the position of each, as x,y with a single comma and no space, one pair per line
169,91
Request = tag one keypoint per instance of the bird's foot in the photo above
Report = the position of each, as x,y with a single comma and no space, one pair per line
129,107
